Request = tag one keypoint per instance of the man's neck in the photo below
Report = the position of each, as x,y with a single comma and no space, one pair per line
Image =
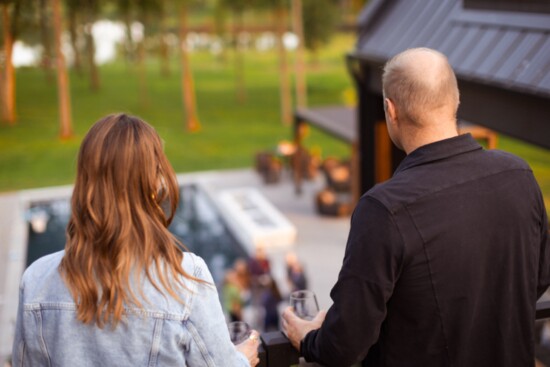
416,138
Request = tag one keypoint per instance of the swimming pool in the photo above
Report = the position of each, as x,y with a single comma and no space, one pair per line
197,224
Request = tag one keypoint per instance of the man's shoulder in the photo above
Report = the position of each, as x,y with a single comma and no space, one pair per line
408,185
506,159
394,192
387,195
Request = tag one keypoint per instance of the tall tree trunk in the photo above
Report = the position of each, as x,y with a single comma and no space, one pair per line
164,49
46,61
129,47
64,95
299,61
90,51
2,90
220,29
77,63
345,10
239,57
284,75
9,71
142,73
141,67
187,82
164,56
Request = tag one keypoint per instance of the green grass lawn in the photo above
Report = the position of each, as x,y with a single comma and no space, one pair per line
32,155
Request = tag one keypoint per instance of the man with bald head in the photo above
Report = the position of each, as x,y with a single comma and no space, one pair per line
446,260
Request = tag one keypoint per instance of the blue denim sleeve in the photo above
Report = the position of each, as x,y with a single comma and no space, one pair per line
210,344
18,342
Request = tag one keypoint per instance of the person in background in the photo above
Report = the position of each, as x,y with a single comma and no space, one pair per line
446,260
296,276
259,265
244,280
123,293
233,301
270,299
243,273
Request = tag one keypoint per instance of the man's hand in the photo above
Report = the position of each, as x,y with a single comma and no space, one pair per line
296,329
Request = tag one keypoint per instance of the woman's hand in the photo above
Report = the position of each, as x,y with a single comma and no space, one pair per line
250,348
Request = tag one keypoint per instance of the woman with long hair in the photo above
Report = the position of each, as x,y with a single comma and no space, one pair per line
123,293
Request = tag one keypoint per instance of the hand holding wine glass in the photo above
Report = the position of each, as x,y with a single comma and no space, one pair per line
245,340
301,316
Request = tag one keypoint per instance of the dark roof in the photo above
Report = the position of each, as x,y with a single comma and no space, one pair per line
501,59
338,121
509,50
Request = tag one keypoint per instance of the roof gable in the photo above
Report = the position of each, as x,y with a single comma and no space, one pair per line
510,50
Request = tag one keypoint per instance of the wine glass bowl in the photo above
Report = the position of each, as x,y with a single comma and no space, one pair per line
239,331
304,303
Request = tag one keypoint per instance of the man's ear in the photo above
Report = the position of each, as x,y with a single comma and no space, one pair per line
391,111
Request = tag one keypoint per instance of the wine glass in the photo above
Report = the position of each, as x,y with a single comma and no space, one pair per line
304,304
239,331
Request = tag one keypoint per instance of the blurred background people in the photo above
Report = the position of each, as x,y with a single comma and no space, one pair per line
232,299
259,264
295,273
270,299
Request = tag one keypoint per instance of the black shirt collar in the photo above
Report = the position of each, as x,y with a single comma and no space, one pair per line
439,150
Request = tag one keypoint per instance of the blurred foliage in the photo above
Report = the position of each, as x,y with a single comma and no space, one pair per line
320,20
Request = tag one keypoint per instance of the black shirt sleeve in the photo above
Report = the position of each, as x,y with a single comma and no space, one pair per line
372,263
544,259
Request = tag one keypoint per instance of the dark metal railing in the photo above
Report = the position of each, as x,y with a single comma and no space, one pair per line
543,310
276,350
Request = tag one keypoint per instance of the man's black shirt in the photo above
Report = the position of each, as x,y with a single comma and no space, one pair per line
443,265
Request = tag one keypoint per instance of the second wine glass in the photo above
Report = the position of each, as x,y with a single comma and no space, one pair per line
239,331
305,304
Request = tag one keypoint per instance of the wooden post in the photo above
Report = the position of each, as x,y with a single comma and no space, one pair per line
369,114
383,152
298,127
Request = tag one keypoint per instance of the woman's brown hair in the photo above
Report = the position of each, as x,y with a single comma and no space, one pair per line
118,226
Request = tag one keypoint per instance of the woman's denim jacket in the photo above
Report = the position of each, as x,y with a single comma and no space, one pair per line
163,332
